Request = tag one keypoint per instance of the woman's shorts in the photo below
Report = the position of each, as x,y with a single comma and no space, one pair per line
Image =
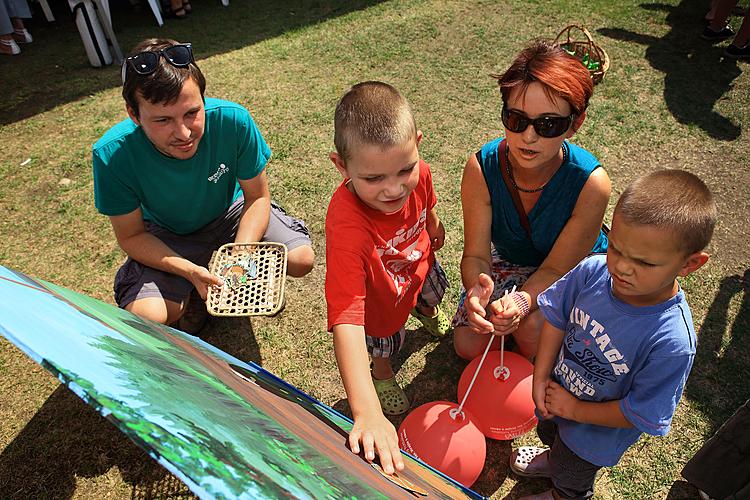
505,275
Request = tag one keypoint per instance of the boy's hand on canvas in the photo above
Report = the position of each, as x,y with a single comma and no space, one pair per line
539,393
377,435
477,298
559,401
437,236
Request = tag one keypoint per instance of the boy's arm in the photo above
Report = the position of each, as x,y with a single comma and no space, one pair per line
435,229
550,341
371,427
563,404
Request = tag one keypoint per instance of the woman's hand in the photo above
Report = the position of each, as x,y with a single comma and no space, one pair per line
477,298
504,315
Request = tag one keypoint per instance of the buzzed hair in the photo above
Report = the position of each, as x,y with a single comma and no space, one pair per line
372,113
674,200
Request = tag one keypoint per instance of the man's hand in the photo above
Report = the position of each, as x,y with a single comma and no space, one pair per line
559,401
202,279
477,298
377,435
437,236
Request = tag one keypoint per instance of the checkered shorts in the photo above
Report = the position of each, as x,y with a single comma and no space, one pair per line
505,275
431,294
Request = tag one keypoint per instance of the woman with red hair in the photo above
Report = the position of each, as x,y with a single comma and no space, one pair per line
533,203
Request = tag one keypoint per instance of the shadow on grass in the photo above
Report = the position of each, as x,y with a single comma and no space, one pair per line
696,73
234,336
722,366
54,70
67,439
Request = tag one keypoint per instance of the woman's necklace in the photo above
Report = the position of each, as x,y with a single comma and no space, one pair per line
535,190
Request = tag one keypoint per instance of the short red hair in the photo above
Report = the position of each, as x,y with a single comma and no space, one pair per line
560,73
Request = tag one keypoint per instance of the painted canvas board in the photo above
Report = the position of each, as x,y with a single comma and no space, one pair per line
227,428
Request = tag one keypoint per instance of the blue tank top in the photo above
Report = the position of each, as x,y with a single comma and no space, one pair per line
548,216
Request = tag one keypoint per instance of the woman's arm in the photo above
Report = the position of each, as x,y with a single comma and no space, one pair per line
477,212
476,262
577,237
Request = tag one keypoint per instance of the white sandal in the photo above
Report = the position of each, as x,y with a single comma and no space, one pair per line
22,36
9,47
521,461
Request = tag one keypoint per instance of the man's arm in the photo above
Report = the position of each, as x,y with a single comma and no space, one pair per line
257,209
371,427
149,250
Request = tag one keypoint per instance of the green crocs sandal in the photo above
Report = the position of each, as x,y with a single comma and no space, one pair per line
438,325
392,397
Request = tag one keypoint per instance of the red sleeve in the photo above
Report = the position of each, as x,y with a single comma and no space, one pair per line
345,287
431,197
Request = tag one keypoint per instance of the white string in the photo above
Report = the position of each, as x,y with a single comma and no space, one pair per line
476,373
502,340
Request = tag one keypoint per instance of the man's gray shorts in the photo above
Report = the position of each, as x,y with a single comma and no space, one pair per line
134,281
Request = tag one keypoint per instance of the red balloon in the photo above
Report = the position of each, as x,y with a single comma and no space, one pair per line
454,446
503,406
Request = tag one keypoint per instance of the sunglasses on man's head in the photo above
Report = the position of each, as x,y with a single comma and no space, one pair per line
544,126
146,62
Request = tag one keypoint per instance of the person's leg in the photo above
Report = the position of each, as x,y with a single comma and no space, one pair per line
393,399
740,47
8,46
467,343
743,35
572,476
719,27
176,9
527,334
156,309
427,309
292,232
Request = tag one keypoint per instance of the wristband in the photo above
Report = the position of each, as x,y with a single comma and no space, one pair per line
520,300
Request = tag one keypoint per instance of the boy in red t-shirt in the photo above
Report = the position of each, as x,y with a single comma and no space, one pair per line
381,234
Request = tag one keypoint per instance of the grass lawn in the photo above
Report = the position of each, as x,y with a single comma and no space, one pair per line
669,100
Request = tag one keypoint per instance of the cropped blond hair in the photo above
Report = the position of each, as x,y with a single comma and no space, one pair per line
372,113
673,200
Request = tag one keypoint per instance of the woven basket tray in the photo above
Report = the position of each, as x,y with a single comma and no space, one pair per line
254,275
576,41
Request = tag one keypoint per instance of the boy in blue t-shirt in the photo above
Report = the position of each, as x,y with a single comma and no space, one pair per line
618,341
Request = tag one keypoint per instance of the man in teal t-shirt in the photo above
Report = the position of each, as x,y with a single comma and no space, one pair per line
179,178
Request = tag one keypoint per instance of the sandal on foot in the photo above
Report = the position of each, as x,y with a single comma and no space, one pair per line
180,13
530,461
392,397
9,47
188,8
22,36
438,325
